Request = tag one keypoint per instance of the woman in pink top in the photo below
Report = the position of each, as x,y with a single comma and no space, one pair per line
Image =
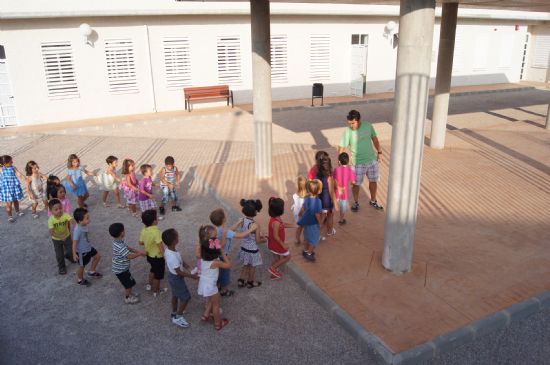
344,176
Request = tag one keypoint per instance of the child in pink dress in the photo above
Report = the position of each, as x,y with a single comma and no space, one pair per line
344,176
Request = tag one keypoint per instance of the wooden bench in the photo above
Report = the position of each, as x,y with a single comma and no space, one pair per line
207,92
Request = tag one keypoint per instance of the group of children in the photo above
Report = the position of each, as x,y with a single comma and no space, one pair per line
324,192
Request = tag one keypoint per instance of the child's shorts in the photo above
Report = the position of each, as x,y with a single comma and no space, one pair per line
126,279
168,195
312,234
147,205
343,205
157,266
84,258
179,288
224,277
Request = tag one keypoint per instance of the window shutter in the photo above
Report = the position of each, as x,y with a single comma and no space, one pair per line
177,62
542,51
59,68
229,60
319,57
121,66
279,63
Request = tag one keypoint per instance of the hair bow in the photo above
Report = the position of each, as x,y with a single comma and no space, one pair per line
214,243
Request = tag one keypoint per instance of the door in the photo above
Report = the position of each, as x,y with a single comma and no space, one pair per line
7,103
358,77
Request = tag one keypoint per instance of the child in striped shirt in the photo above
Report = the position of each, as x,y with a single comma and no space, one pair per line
122,254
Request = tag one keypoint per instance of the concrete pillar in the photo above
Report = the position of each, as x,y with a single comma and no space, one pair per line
261,85
444,73
547,125
416,24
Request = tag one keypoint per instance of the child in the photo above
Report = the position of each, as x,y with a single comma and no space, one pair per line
35,187
169,183
276,237
328,199
210,252
311,218
108,182
10,187
343,176
83,251
51,185
122,254
298,198
60,224
130,185
151,239
74,183
177,271
145,196
250,254
217,217
312,173
61,195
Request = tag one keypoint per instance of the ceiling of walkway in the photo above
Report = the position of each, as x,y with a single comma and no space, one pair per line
518,5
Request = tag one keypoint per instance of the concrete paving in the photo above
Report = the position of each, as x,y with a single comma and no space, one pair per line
506,150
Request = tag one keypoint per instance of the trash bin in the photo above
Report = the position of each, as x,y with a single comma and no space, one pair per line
317,92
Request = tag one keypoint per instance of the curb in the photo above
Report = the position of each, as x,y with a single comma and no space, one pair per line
386,100
423,352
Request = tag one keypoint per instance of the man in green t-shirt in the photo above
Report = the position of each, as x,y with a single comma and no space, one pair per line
360,138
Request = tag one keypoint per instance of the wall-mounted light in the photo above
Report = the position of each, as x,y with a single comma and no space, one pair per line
86,31
390,32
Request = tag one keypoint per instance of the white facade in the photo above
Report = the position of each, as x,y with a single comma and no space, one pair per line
139,64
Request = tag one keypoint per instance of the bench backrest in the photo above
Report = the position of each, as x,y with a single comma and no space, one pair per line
206,91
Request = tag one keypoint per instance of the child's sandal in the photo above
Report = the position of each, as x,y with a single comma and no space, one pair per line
253,284
224,322
227,293
241,283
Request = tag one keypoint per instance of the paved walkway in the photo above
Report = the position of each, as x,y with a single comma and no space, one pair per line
482,227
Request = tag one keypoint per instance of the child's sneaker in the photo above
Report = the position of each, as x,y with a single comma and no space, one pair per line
20,214
176,209
131,300
11,220
332,233
94,274
274,272
62,271
180,321
35,215
161,291
375,205
148,287
355,207
84,282
161,210
310,256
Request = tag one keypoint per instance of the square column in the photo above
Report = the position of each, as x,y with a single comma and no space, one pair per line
547,124
416,26
261,85
444,73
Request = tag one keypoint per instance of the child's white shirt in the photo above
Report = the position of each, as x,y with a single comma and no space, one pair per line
297,206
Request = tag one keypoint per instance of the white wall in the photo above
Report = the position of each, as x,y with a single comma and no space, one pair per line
498,41
535,72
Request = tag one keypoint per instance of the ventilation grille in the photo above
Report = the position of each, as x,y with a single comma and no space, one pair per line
542,51
279,63
319,57
121,66
229,60
59,68
177,62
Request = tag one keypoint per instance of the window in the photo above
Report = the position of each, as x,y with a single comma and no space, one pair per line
359,39
542,51
229,60
177,62
59,69
121,66
319,57
279,64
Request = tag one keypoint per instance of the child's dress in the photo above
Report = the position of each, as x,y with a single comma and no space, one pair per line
10,187
209,277
326,199
78,181
250,253
106,181
274,246
37,189
146,203
312,230
297,206
130,194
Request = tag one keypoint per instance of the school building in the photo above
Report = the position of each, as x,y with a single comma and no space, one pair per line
67,60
